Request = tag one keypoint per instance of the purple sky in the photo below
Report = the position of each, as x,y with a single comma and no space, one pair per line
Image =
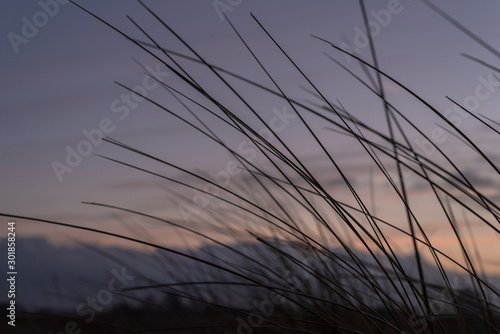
61,82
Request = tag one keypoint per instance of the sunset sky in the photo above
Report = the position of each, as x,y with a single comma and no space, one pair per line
58,84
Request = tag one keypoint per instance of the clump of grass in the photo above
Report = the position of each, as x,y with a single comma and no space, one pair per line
319,254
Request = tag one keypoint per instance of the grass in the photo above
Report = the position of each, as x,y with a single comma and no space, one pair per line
318,257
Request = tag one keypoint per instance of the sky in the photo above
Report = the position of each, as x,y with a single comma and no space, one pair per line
58,83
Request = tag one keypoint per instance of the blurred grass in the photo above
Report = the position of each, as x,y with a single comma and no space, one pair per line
356,279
